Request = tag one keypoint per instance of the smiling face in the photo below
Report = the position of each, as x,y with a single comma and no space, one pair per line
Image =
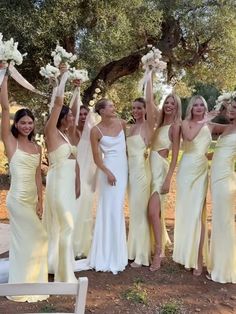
170,106
138,110
25,126
109,110
198,109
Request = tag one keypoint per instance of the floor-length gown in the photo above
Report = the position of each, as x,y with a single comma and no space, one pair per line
222,261
84,223
109,248
60,212
192,182
139,246
28,238
159,170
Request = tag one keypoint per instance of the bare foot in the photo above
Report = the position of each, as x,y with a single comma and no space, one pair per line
156,263
135,265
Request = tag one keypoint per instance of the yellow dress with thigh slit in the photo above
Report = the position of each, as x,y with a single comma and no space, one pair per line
159,169
139,246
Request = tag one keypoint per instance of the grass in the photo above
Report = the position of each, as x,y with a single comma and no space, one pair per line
171,307
136,294
48,309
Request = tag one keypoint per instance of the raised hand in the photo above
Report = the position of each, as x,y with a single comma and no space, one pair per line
209,116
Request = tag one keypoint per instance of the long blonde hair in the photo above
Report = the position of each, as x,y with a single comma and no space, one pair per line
188,115
178,114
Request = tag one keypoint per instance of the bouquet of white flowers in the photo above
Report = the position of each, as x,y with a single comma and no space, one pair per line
224,100
60,55
9,52
151,61
81,75
49,72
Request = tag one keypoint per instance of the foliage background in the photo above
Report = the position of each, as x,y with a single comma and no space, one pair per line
110,37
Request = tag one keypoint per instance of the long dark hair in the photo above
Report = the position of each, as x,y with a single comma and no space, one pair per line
64,112
18,115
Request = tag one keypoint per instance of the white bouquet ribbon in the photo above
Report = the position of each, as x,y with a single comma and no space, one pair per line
76,98
15,74
58,90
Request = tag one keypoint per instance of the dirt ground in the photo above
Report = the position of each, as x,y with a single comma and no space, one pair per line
169,290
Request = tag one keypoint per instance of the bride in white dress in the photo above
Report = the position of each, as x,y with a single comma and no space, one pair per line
109,248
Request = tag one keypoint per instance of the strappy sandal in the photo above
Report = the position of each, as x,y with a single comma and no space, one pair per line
156,263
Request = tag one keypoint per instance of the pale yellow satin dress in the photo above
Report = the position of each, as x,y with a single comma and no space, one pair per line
28,238
159,170
60,212
222,264
139,245
84,223
192,182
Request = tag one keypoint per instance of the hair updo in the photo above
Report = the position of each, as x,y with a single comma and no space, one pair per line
100,104
18,115
141,100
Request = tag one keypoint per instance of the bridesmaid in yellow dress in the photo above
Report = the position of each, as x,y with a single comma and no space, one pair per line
222,261
190,234
28,239
63,186
166,138
139,246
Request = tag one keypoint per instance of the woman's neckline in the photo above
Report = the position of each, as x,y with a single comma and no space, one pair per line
113,136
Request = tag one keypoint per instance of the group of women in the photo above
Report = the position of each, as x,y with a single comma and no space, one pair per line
136,157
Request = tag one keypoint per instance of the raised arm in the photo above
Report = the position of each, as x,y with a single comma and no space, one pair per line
51,125
174,158
217,128
7,137
95,137
5,124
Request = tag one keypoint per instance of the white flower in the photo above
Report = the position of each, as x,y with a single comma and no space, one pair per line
57,60
49,71
78,75
9,51
152,60
224,99
60,55
91,103
97,90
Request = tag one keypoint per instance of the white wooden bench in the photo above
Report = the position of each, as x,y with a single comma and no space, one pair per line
52,288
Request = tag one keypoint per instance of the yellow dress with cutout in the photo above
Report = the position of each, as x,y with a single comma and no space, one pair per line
159,170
